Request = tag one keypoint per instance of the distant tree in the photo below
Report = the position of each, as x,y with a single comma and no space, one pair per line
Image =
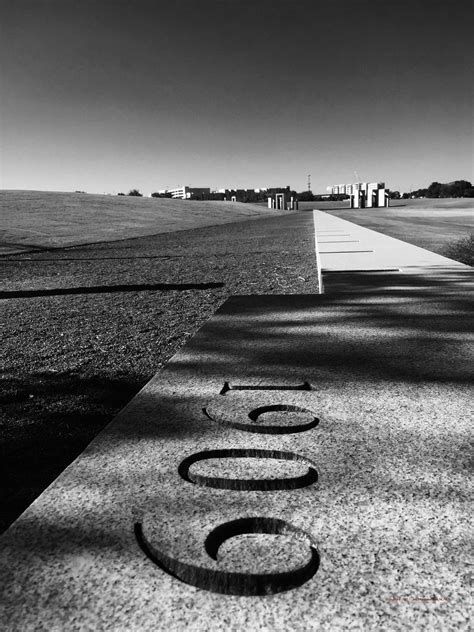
135,193
305,196
456,189
435,190
217,196
394,195
120,193
161,195
419,193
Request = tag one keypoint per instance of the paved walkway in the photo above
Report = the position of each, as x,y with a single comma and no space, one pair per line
354,258
344,246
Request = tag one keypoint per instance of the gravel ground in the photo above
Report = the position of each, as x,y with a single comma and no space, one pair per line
87,327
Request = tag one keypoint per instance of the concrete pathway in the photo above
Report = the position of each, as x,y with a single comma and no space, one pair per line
354,258
344,246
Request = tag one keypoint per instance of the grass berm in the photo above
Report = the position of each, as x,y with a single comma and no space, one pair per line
86,327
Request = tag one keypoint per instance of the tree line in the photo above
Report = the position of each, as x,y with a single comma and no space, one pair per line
456,189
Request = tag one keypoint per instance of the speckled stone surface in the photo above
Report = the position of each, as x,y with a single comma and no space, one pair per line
388,514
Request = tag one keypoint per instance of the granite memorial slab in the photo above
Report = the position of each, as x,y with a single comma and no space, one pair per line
301,463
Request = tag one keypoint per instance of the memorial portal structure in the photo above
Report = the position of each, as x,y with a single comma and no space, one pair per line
363,194
283,201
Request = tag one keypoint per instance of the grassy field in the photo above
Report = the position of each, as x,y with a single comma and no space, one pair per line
431,224
38,219
86,327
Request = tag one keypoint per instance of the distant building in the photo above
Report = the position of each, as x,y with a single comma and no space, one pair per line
186,193
230,195
253,195
283,200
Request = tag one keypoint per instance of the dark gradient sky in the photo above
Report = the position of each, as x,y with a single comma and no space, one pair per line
107,95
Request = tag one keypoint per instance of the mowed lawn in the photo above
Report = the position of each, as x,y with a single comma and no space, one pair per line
38,219
85,327
429,223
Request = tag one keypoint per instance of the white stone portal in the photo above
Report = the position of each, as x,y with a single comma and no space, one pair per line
283,201
364,194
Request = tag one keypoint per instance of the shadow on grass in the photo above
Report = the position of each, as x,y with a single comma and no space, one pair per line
95,259
108,289
49,420
23,246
